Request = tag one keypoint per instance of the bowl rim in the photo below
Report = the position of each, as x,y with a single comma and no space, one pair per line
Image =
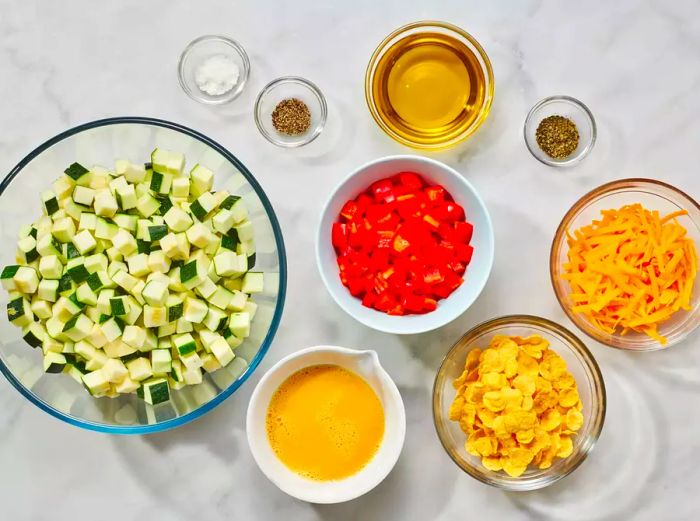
320,239
227,96
279,306
387,382
566,162
313,88
576,344
559,237
488,73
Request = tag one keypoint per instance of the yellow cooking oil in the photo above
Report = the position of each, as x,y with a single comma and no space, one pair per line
429,88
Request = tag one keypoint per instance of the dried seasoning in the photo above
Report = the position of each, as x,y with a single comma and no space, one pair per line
557,136
291,117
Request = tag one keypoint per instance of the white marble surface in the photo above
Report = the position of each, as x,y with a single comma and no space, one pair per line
635,63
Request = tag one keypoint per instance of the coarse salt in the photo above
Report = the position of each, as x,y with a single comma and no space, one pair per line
217,75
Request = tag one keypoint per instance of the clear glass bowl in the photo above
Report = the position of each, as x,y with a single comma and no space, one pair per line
580,363
197,52
100,143
653,195
285,88
414,29
570,108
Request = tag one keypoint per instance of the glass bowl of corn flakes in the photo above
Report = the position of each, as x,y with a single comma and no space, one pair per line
518,402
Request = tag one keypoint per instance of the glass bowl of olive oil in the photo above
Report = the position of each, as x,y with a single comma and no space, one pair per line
429,85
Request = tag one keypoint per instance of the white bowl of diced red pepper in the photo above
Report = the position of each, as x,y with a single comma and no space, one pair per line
405,244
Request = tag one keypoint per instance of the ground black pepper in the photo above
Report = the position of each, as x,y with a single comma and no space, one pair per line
291,116
557,136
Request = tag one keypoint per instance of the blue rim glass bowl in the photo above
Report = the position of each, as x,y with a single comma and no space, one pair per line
100,143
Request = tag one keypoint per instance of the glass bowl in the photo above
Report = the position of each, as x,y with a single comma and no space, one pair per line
100,143
653,195
414,138
285,88
197,52
570,108
580,363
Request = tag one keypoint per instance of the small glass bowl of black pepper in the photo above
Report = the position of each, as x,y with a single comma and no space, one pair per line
290,112
560,131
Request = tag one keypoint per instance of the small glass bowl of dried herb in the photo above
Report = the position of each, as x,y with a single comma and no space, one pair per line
290,112
560,131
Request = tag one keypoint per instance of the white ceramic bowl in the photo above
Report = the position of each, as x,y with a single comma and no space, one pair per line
364,363
477,272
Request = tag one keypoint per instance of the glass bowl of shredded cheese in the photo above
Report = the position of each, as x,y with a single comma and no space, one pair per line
624,262
519,402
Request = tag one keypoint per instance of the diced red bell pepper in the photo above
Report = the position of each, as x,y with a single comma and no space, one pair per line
397,310
429,305
382,189
411,180
350,210
464,253
384,239
433,276
432,221
363,201
378,213
436,194
463,231
457,267
339,235
400,244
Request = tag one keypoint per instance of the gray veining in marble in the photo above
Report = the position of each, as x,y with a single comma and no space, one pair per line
635,63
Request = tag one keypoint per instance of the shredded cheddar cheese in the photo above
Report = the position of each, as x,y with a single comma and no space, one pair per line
631,270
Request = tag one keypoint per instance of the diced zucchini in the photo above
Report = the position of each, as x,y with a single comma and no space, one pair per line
83,195
230,264
27,249
114,370
158,261
119,307
77,172
147,205
239,324
161,361
155,293
216,319
222,351
132,172
156,391
154,316
201,180
126,221
139,369
54,362
105,203
63,229
180,187
192,274
88,221
138,265
84,242
112,329
50,267
195,310
7,277
41,308
34,334
78,327
26,279
253,282
167,162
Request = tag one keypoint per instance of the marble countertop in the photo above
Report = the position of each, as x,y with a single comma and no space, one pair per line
635,63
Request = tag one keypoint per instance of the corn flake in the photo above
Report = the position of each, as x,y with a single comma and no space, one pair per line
517,404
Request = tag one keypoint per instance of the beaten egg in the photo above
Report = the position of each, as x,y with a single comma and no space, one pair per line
325,422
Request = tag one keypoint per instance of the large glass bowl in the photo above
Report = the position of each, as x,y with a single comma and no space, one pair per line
100,143
580,363
653,195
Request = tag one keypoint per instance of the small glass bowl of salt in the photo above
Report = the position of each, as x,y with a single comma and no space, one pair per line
213,69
